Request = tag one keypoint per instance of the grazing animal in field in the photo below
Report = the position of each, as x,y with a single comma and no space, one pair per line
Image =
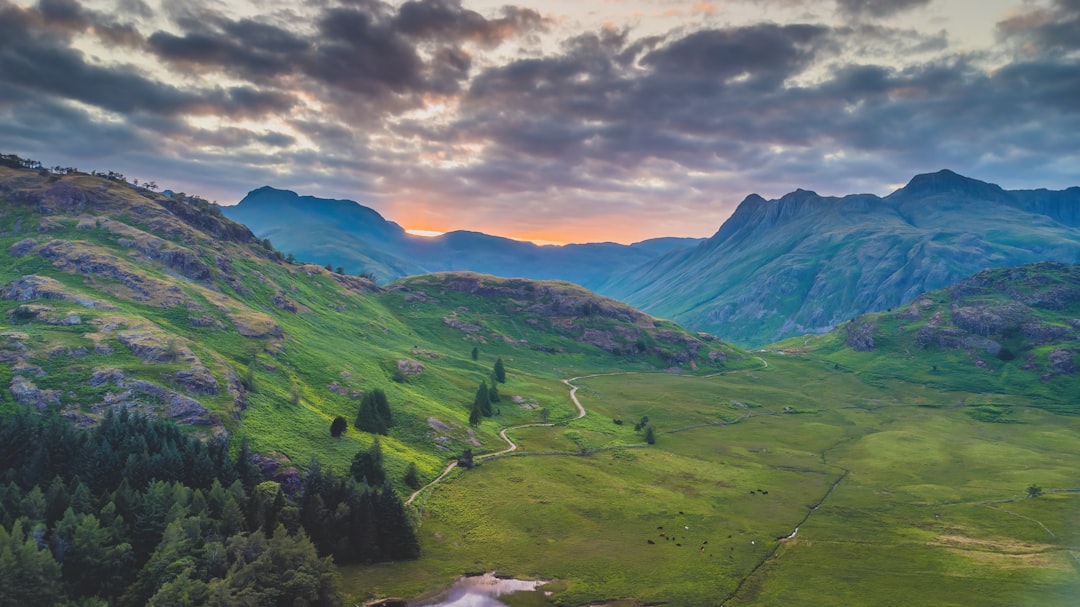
679,545
651,542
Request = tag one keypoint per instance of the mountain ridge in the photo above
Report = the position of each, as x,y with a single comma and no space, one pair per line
805,262
348,234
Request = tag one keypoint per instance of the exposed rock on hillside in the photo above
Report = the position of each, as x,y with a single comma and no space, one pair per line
1018,313
26,393
556,309
31,287
149,398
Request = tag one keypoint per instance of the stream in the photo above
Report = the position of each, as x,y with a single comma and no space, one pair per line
479,591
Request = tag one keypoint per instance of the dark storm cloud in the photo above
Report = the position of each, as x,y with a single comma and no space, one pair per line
34,59
724,100
364,48
447,20
1052,31
878,8
671,103
768,52
247,48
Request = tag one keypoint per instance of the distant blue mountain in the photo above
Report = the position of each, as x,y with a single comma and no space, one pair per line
347,234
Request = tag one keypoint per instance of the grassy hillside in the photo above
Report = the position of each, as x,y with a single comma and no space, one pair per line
831,473
1002,331
120,297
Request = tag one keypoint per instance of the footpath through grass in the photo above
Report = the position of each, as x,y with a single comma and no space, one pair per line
739,461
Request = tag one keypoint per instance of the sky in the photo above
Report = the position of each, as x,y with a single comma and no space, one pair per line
555,121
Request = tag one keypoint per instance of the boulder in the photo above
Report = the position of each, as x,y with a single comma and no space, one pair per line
26,393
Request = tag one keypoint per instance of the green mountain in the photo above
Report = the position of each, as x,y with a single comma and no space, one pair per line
347,234
805,263
120,298
1013,330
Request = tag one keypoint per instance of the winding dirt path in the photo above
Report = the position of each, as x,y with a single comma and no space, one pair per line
511,446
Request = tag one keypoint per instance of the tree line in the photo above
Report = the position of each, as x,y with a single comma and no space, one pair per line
134,512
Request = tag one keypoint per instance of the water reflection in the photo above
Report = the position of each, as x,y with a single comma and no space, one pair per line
481,591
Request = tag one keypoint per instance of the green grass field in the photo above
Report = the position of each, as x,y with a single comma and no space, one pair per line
919,516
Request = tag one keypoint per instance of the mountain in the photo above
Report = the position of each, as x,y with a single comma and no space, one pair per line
1012,330
805,262
347,234
119,298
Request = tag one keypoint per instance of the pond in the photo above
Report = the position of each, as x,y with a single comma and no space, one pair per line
480,591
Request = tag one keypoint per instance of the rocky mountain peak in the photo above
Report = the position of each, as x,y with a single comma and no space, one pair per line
949,182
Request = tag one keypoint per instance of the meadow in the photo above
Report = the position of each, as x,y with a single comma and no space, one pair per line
901,495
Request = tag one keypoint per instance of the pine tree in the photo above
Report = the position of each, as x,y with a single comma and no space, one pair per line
475,353
374,415
29,575
412,476
650,434
500,371
483,399
367,465
493,393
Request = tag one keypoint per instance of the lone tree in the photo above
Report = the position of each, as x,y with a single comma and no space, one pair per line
493,393
475,353
499,371
374,415
367,465
650,434
1034,491
412,476
338,427
466,459
483,399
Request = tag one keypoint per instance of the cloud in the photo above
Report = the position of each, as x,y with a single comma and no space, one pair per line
878,8
449,21
432,103
1052,31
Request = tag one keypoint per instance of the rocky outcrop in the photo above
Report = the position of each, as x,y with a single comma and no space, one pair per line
283,303
860,335
153,347
149,398
256,326
84,259
468,327
409,368
197,381
26,393
32,286
1061,361
22,248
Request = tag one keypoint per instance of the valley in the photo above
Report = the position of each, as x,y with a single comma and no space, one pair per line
929,502
922,454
